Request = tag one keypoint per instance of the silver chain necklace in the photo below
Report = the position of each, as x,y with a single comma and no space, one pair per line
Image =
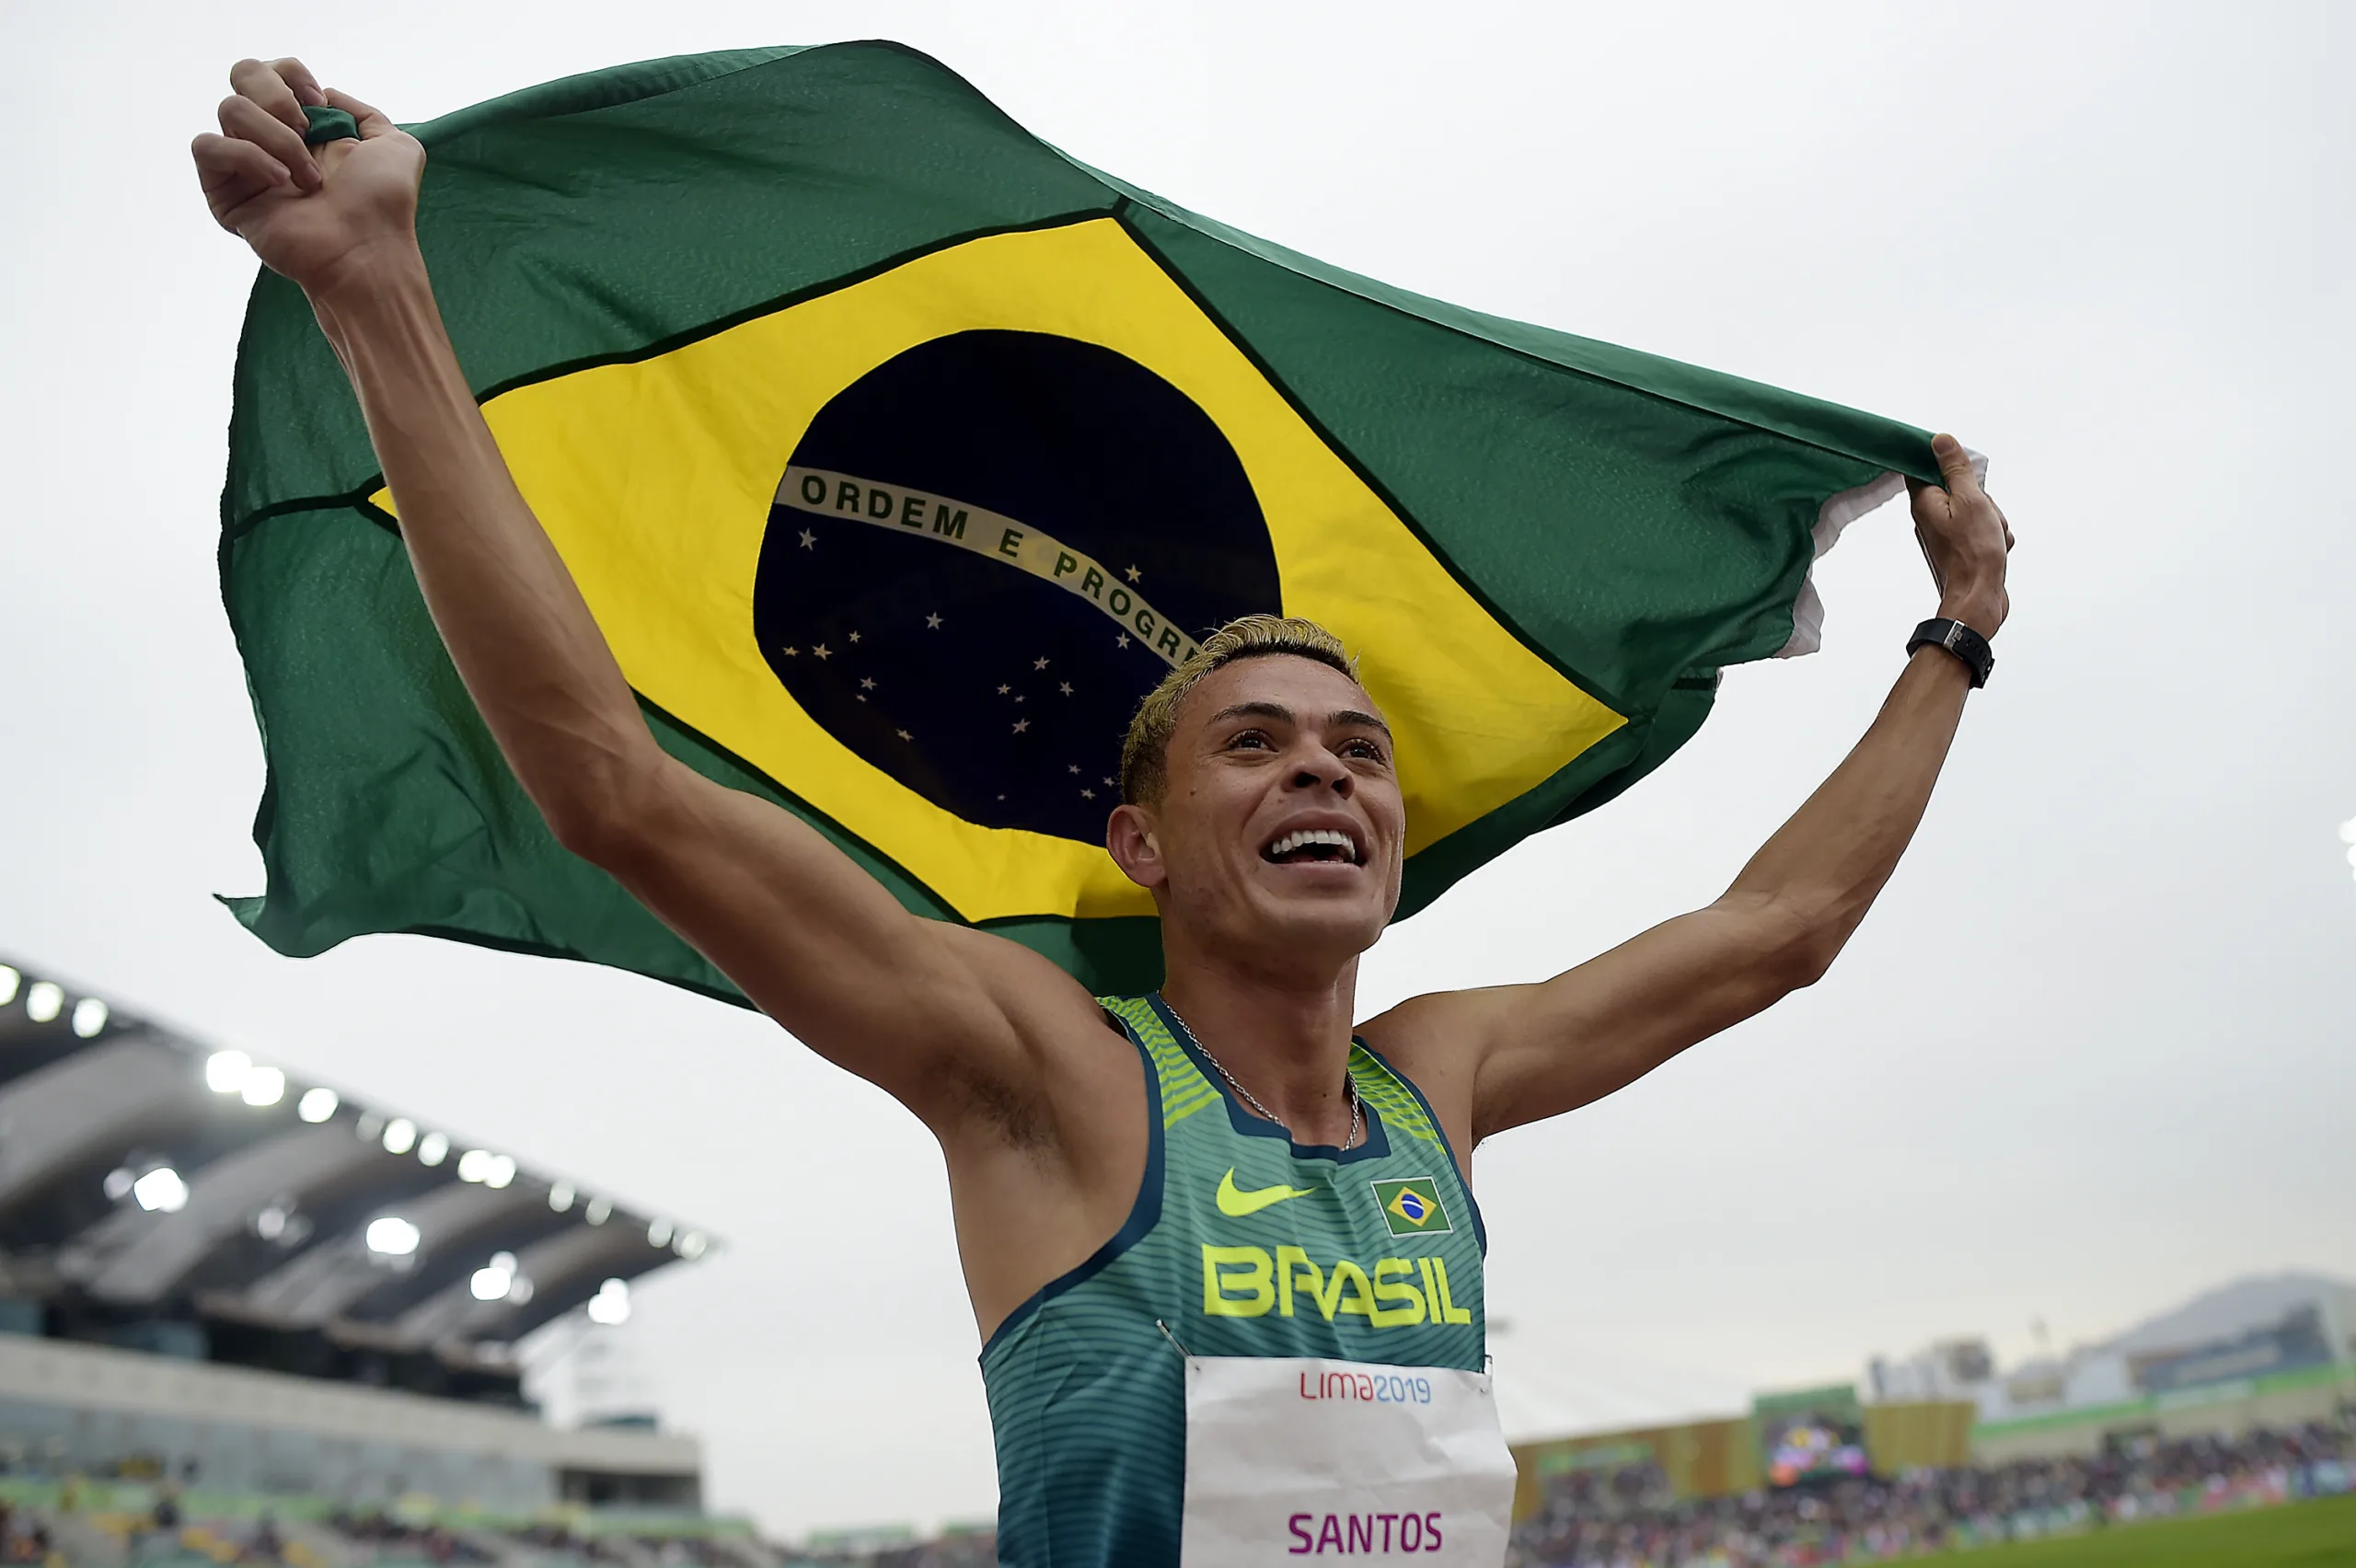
1350,1086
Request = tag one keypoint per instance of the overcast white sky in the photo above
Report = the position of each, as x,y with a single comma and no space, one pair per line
2096,1049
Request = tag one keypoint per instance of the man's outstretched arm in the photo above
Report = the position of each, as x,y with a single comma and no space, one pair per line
1515,1054
808,934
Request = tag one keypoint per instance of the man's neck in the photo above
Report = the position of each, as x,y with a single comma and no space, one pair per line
1285,1033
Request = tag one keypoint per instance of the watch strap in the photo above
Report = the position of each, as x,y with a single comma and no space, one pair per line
1959,640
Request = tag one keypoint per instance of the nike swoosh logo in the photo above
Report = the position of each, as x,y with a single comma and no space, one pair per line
1235,1204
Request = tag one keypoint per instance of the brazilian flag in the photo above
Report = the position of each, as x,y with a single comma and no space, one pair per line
899,453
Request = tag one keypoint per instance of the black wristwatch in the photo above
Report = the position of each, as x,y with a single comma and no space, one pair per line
1960,640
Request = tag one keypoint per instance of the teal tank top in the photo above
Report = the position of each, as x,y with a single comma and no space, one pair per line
1241,1242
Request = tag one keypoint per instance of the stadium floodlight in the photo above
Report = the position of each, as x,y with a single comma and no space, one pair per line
400,1135
225,1071
658,1234
473,1163
2347,836
499,1280
500,1172
317,1104
693,1245
560,1197
610,1306
263,1086
432,1149
44,1001
270,1222
118,1183
161,1190
9,981
598,1211
392,1236
89,1017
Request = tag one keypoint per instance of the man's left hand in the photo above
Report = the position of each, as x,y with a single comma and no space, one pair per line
1965,538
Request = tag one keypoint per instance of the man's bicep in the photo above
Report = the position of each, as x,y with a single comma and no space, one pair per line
821,946
1557,1046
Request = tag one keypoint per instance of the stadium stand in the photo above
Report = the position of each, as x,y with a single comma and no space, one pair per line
1603,1519
972,1549
245,1319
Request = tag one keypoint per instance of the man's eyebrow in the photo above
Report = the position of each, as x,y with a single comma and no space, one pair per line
1254,710
1342,718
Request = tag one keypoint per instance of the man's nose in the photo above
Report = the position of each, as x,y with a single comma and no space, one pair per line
1319,768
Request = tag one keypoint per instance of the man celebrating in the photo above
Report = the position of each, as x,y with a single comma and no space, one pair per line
1220,1242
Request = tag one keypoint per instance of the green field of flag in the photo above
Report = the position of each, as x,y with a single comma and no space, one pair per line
898,453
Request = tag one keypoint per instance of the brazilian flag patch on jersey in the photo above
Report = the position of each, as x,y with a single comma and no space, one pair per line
1411,1206
897,455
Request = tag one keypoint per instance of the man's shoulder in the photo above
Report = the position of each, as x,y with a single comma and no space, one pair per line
1447,1024
1437,1043
1025,984
1052,1018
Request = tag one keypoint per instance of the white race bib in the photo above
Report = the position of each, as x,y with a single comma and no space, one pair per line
1289,1459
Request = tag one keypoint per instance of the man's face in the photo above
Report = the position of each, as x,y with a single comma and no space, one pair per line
1281,821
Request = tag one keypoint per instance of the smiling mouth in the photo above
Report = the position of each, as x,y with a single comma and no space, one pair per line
1314,845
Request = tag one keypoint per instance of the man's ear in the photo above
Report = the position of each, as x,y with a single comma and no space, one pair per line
1132,839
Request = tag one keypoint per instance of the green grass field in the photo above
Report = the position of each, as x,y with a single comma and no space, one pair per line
2300,1535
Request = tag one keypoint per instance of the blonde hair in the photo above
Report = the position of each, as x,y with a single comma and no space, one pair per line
1145,753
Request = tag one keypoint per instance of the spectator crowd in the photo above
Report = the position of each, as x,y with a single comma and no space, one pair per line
1630,1518
388,1537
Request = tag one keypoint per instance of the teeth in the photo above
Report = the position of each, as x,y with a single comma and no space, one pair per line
1308,835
